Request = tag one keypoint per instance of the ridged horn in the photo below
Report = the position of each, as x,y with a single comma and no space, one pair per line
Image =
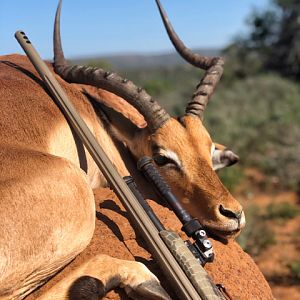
153,113
212,65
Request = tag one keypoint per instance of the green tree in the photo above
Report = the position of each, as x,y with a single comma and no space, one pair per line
287,47
273,42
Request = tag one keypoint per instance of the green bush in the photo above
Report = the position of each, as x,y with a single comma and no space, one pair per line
231,177
295,268
258,117
99,63
156,87
283,210
256,236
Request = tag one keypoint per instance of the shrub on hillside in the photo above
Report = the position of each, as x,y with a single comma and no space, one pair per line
256,236
258,117
295,269
284,210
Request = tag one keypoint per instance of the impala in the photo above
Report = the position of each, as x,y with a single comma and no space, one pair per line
47,214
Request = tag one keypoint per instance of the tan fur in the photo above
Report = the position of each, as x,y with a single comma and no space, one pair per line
220,146
103,266
117,103
47,210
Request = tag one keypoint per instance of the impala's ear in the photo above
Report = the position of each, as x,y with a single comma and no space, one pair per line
123,124
120,125
223,157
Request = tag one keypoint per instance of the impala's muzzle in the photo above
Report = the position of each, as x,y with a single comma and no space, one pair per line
238,217
229,222
230,214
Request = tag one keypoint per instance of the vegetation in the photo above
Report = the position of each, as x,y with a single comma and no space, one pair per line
283,210
231,177
295,269
273,42
256,236
258,117
99,63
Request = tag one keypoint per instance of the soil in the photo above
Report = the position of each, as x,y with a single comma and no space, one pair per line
232,267
274,261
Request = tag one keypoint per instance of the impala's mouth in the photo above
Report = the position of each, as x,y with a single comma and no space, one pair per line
223,234
226,230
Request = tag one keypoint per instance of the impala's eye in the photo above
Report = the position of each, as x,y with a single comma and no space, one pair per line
162,160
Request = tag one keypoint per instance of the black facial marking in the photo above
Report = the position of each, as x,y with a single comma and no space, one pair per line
181,121
162,160
155,148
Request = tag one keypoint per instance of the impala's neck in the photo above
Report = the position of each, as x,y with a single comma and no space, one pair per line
112,146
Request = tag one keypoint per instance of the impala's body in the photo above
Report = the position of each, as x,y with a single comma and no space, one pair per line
38,159
47,211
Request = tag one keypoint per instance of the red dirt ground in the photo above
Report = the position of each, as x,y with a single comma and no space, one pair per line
274,260
115,236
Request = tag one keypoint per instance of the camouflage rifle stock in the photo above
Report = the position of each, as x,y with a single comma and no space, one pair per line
188,278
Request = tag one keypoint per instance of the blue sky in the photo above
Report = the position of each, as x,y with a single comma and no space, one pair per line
97,27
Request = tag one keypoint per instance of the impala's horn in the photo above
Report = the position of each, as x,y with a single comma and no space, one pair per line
212,65
155,115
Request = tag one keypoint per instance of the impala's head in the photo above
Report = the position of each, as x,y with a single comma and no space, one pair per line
187,158
181,147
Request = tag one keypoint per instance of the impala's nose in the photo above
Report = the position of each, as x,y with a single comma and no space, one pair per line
231,214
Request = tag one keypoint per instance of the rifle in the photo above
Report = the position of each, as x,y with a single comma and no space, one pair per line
185,273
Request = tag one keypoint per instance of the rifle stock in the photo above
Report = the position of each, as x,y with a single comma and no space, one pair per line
158,242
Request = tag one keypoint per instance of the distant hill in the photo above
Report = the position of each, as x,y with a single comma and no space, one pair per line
137,61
